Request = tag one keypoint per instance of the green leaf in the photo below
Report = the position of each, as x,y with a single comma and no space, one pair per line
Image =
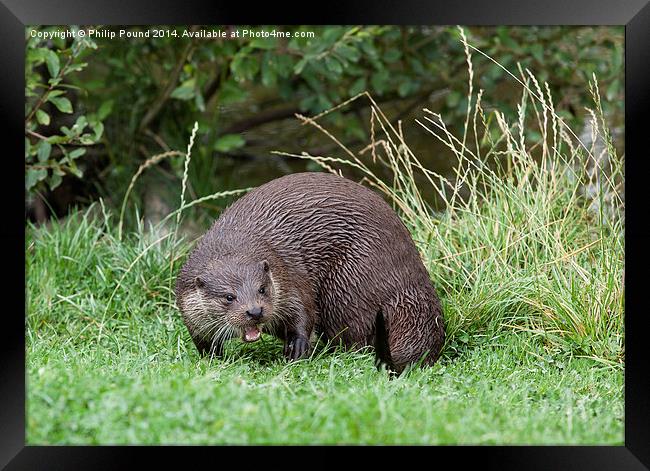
264,43
404,88
59,42
56,139
42,117
36,55
333,65
348,52
297,69
62,103
80,124
199,101
244,65
54,93
453,99
44,150
105,109
417,66
333,33
353,128
76,67
53,65
537,50
269,77
308,103
392,55
33,176
67,132
94,84
379,81
534,136
228,142
369,49
357,87
185,91
75,154
612,90
506,40
282,65
86,139
55,180
56,168
231,93
76,171
323,104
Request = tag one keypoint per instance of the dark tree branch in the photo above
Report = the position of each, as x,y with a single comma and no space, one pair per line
403,113
260,118
287,112
169,88
214,86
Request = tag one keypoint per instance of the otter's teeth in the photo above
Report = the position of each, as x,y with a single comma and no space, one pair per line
252,333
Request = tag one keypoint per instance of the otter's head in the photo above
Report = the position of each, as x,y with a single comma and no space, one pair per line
237,295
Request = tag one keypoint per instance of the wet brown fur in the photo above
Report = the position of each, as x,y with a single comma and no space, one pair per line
341,264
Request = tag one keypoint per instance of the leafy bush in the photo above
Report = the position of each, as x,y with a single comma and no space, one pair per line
236,88
52,153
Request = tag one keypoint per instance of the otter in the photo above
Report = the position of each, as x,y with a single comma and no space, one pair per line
312,254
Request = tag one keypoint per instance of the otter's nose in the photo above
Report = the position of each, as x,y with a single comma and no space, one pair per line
255,313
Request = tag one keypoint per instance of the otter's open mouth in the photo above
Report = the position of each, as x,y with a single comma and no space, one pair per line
252,333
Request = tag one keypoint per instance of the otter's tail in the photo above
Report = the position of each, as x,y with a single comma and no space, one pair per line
382,349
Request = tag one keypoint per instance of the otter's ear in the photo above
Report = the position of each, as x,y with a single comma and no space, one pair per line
199,282
265,265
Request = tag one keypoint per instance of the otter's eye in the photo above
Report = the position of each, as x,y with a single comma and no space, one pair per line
262,290
230,298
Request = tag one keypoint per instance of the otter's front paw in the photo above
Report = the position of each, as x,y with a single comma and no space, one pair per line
296,348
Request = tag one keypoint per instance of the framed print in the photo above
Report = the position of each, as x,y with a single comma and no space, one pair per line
380,225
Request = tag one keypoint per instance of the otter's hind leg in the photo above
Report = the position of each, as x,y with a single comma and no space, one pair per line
411,332
382,347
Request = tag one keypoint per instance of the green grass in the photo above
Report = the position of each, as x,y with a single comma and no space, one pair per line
527,262
153,391
109,362
126,371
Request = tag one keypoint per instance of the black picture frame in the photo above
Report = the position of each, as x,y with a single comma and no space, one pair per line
634,14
